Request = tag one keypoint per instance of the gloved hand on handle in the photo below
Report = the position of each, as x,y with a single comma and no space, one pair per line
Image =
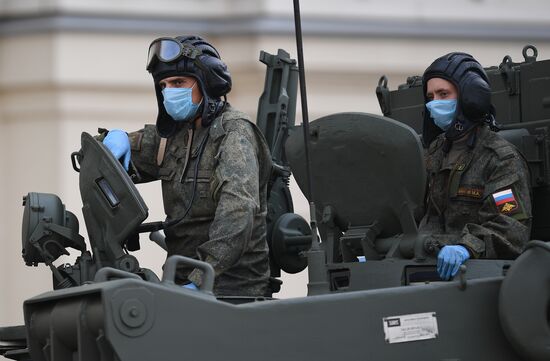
191,286
118,143
449,260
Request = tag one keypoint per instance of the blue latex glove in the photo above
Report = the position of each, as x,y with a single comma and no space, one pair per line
118,143
449,260
191,286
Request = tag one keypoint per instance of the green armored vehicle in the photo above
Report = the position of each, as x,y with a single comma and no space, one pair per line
366,181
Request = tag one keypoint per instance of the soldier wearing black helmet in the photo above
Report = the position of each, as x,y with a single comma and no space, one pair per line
478,203
213,163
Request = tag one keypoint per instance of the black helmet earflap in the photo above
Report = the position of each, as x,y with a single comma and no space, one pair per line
217,81
475,97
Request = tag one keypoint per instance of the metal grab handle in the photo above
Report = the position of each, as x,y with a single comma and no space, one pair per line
541,244
75,160
106,273
169,275
159,238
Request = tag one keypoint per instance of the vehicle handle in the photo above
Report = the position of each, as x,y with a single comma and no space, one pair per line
169,275
75,160
106,273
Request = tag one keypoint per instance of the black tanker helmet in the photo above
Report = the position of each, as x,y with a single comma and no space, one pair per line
189,56
474,95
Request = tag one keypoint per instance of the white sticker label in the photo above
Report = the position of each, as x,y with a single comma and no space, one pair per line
407,328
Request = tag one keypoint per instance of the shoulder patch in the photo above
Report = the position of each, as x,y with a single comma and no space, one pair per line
506,202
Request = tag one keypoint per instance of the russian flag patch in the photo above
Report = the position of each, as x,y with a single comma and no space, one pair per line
505,201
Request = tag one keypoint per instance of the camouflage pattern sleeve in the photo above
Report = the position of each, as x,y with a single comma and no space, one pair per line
144,144
505,215
236,192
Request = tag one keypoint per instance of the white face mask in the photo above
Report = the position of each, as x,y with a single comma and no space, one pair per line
178,103
442,112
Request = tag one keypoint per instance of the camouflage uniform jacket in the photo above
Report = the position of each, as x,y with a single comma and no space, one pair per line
226,225
482,201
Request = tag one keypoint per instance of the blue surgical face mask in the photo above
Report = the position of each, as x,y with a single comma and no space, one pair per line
178,102
442,112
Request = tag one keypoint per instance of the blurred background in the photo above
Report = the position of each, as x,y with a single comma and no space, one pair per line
68,66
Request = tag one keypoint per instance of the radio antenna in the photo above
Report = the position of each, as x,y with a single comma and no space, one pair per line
315,256
303,95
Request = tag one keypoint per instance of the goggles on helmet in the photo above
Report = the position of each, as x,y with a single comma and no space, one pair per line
168,50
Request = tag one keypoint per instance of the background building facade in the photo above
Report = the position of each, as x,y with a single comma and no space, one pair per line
68,66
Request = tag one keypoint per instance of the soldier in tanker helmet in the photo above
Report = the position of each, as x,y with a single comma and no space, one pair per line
213,163
478,203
